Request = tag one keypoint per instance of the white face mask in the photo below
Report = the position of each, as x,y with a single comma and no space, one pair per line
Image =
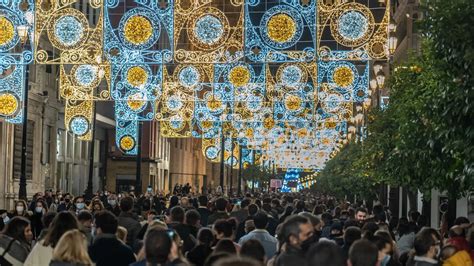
20,209
80,205
6,219
39,209
112,202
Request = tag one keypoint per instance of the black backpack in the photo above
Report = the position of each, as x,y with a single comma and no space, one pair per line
3,261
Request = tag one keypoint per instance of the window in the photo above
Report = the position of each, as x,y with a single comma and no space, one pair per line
18,150
45,156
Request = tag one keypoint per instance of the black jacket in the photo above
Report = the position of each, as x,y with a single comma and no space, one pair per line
130,222
108,250
292,256
205,213
199,254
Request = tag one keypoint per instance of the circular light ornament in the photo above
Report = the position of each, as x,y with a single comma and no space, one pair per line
254,103
138,30
7,31
174,103
343,76
136,102
8,104
137,76
127,143
176,122
212,152
292,102
239,76
208,29
268,123
79,125
189,76
85,75
352,25
214,104
291,75
281,27
68,30
206,124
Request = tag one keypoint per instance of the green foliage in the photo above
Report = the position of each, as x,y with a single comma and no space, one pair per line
345,175
256,173
425,138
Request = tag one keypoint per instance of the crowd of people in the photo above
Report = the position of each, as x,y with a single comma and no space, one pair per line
271,229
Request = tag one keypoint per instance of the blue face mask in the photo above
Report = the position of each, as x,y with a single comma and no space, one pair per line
80,205
385,260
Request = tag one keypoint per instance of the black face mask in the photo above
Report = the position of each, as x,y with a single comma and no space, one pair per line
309,242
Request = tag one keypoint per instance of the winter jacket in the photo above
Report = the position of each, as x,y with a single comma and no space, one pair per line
16,252
460,258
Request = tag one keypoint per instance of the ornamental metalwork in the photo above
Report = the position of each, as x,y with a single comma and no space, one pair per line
280,80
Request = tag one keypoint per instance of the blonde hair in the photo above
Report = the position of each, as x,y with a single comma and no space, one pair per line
122,233
72,248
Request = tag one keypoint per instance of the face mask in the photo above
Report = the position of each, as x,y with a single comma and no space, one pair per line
80,205
39,209
106,193
93,231
6,219
112,202
19,209
56,201
308,242
385,260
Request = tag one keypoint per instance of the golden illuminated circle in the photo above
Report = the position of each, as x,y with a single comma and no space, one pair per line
268,123
302,132
135,102
343,76
239,76
8,104
249,132
137,76
206,124
138,30
127,143
7,31
281,28
292,102
214,104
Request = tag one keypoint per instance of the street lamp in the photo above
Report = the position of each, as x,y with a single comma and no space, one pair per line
23,34
380,79
392,43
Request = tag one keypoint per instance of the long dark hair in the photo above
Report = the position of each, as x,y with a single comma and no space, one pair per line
62,223
16,229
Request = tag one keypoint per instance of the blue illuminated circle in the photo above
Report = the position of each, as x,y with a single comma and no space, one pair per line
189,76
291,76
211,152
254,103
79,125
174,103
176,123
352,25
68,30
85,75
208,29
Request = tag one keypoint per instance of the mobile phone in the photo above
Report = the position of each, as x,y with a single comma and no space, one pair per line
171,233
